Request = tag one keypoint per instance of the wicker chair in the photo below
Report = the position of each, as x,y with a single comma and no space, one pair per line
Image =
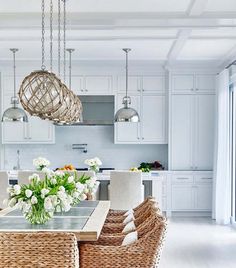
118,227
38,250
117,238
113,212
144,253
136,212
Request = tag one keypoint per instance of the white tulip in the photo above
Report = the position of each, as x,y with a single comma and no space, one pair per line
34,200
17,189
28,193
62,189
34,177
48,204
59,173
44,192
79,186
83,197
12,202
70,179
97,161
53,181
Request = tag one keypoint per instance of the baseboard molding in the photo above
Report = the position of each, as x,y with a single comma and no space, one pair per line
191,214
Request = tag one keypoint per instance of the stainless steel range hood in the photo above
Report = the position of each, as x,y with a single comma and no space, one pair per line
98,110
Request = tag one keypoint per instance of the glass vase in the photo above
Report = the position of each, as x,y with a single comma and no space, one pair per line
39,216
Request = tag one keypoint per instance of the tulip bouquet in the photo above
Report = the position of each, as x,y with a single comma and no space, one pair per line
41,163
57,192
93,163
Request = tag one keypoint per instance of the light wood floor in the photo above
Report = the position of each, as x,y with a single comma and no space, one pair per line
199,243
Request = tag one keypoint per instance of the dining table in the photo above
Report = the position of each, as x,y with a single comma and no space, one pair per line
85,220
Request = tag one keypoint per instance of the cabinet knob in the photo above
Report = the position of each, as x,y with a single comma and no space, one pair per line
82,90
139,90
138,138
192,89
197,89
142,138
143,89
86,90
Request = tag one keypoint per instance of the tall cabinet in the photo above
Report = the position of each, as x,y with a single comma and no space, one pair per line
192,121
191,140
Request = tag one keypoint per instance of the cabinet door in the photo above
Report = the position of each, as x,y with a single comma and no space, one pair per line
40,131
77,84
204,134
14,132
183,83
182,197
181,129
134,83
153,84
153,119
127,132
98,84
205,83
203,197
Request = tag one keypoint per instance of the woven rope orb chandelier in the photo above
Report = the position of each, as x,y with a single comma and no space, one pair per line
41,93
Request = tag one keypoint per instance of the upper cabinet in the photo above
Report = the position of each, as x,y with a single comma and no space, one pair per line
146,84
35,131
92,85
193,83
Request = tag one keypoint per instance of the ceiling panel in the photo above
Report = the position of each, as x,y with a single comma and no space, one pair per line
101,5
94,50
200,49
210,33
220,6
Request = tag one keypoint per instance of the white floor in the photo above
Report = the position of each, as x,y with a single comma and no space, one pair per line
199,243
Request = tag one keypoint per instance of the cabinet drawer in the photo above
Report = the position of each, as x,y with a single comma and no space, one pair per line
203,178
182,178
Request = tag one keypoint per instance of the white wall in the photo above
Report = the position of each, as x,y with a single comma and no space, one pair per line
100,143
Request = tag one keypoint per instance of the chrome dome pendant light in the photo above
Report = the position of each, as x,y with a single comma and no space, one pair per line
14,113
127,114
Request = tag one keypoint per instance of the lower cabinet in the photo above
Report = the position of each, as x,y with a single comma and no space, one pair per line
191,192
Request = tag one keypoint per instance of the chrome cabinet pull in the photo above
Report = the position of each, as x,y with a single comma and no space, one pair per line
205,178
182,178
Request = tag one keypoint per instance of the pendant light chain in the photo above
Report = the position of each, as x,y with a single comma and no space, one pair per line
70,50
51,35
14,50
64,38
59,38
43,67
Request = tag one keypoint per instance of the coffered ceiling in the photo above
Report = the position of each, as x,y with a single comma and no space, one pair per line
161,30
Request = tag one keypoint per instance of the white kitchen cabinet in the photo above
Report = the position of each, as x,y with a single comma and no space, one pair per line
153,84
191,191
204,141
152,126
126,132
205,83
181,132
182,197
193,83
191,131
182,83
134,84
92,84
145,83
153,118
35,131
203,196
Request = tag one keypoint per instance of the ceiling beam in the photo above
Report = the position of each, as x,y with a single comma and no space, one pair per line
178,45
197,7
228,58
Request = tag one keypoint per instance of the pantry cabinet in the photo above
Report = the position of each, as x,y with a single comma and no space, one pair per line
191,122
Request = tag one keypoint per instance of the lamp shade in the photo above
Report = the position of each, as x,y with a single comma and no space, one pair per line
14,114
127,114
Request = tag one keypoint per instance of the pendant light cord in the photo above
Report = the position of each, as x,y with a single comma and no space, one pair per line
64,38
14,50
70,50
59,38
43,38
126,99
51,35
